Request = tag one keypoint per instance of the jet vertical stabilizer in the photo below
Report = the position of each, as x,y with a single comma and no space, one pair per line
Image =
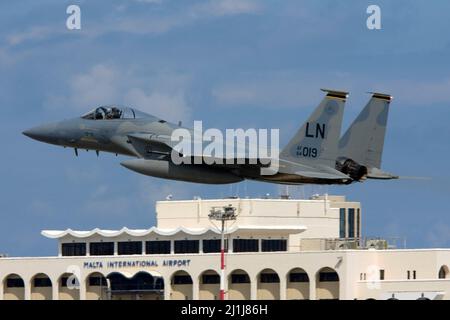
361,147
316,142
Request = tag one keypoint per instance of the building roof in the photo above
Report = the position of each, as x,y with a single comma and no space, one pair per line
56,234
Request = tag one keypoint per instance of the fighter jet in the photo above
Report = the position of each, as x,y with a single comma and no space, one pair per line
361,147
310,157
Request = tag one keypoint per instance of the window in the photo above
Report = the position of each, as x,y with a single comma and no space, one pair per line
298,277
210,279
130,247
141,282
98,281
15,283
274,245
328,277
114,113
42,282
211,246
408,274
443,272
72,279
240,278
358,223
245,245
382,274
182,280
342,222
414,274
157,247
351,223
187,246
64,281
73,249
269,278
101,248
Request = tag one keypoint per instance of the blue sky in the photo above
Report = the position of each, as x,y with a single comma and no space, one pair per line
231,64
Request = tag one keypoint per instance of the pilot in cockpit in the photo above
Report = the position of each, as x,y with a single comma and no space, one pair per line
113,113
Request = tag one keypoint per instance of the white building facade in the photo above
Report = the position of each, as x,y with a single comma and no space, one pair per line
275,249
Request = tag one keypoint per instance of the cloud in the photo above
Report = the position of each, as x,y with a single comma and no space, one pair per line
228,7
418,93
439,235
34,33
109,202
278,89
165,106
161,94
272,90
150,1
139,22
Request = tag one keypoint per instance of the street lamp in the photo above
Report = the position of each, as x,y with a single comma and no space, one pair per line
222,214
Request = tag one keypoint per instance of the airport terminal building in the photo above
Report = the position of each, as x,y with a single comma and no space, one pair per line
275,249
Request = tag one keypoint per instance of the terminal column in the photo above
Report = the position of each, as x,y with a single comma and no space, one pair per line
55,289
283,287
254,288
195,288
82,289
167,288
1,289
312,288
27,290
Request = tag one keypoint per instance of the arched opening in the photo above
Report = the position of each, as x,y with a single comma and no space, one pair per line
96,287
297,285
69,287
209,285
268,286
41,287
239,285
327,284
141,286
13,288
444,272
181,286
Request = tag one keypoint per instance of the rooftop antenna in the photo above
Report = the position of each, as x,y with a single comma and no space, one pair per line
222,214
285,195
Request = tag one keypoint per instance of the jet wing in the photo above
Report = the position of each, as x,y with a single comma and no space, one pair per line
146,145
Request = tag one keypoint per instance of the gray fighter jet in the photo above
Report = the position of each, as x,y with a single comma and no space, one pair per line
312,156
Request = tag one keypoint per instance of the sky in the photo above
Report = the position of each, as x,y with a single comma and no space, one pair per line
233,64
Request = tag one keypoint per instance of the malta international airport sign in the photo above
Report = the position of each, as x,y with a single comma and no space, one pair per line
140,263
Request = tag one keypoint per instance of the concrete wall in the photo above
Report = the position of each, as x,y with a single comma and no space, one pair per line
239,291
68,294
349,264
297,291
181,291
327,290
209,291
268,291
14,294
41,293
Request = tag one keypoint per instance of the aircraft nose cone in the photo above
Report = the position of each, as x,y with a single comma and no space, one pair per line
41,133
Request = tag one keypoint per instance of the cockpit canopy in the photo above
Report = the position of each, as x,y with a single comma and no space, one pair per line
114,112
